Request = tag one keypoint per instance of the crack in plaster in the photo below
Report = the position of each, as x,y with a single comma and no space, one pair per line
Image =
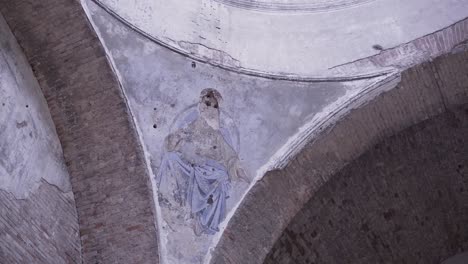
35,186
209,54
290,6
331,77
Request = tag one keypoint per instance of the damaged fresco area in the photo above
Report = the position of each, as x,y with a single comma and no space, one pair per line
199,164
208,133
199,168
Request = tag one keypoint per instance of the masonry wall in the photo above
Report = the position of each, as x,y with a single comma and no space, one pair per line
40,229
403,201
107,167
38,218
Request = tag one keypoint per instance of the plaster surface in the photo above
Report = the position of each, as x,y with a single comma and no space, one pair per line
268,119
294,5
296,44
425,90
458,259
163,89
29,147
38,216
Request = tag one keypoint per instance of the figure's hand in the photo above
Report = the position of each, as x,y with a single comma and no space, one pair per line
171,141
242,175
236,172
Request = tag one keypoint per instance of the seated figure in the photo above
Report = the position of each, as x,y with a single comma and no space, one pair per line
198,165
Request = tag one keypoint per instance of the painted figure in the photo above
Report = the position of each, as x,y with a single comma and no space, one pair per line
199,164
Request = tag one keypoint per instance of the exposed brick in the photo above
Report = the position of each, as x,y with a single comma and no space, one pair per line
425,91
428,47
403,201
105,160
40,229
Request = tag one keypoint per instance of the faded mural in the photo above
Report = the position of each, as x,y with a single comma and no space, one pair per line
208,133
199,163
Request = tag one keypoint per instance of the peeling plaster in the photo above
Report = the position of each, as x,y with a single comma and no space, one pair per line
328,75
282,43
276,117
30,152
209,54
414,52
160,85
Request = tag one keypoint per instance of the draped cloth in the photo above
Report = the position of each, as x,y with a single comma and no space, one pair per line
203,187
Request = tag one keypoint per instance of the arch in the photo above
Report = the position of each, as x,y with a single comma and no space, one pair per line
425,90
403,201
101,149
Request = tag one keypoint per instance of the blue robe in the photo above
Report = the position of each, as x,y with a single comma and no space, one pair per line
204,187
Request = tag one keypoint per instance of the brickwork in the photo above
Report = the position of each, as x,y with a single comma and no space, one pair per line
421,49
403,201
106,163
40,229
425,90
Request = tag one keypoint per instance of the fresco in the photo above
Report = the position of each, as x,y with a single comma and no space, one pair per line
199,163
209,134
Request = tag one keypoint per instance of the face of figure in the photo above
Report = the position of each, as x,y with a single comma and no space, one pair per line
209,107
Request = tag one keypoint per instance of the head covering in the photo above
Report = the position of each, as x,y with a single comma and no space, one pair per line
211,93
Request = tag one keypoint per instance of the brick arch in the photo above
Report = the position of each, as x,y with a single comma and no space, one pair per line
403,201
425,90
100,145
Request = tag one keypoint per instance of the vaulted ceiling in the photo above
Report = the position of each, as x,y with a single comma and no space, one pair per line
338,112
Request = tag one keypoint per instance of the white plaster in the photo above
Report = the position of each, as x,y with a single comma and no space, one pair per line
275,118
305,44
354,98
294,5
29,146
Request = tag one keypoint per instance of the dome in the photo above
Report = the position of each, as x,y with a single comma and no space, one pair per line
285,39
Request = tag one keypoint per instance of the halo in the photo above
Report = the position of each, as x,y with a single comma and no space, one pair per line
228,127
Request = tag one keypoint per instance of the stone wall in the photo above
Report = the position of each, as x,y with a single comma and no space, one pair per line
107,168
38,219
403,201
